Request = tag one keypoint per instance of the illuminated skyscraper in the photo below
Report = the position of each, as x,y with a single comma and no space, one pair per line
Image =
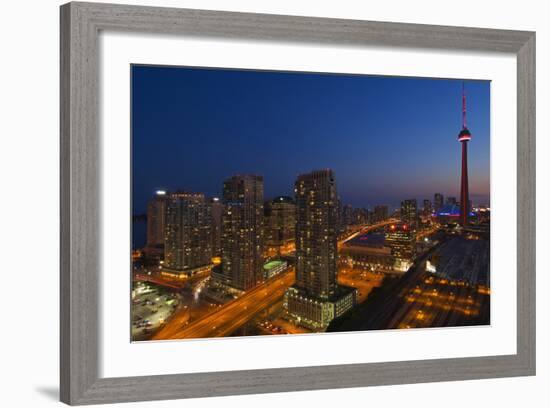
242,232
438,201
347,215
380,213
316,238
360,216
280,222
402,241
427,208
156,215
216,210
316,298
409,213
464,137
187,244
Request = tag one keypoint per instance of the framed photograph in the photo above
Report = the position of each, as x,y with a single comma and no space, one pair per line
262,203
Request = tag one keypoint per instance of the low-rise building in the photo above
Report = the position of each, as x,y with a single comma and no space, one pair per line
314,313
274,267
368,252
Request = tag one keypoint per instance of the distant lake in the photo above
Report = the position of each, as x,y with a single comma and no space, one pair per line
139,234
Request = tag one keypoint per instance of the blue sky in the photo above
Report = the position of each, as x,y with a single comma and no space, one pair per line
386,138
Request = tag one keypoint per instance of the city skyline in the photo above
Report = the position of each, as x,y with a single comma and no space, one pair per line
256,186
304,109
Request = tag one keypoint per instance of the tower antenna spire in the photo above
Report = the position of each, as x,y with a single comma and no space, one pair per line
464,125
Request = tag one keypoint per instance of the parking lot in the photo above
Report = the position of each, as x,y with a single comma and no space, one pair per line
151,307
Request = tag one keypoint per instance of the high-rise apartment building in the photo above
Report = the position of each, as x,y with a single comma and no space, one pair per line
347,215
187,240
438,201
316,299
216,211
360,216
242,232
409,212
156,209
280,222
380,213
427,208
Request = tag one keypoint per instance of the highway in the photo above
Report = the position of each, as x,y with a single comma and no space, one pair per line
232,315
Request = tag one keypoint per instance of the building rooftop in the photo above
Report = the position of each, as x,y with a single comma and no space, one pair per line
463,259
366,250
273,264
373,240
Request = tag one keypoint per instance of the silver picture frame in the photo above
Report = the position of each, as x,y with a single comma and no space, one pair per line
81,23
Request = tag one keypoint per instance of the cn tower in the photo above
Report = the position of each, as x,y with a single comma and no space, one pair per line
464,137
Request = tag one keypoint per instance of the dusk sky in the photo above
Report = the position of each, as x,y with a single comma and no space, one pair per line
386,138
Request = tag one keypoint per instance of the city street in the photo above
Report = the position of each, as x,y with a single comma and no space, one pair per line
232,315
